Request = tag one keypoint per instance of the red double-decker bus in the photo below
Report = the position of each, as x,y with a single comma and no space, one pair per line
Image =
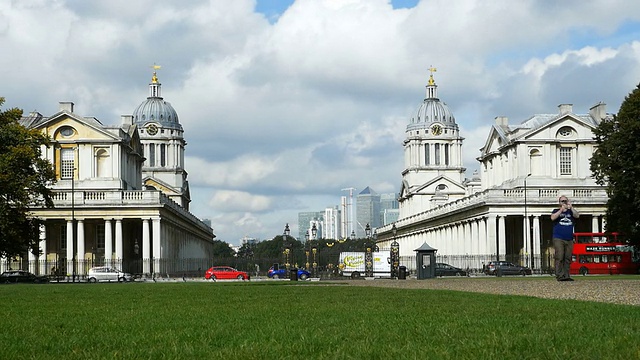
603,253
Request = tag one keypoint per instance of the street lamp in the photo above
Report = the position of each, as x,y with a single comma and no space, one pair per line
368,256
526,221
306,245
287,250
395,253
314,233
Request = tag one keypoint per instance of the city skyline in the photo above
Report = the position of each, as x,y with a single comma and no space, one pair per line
284,104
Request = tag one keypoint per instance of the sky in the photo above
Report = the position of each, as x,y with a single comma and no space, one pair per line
286,103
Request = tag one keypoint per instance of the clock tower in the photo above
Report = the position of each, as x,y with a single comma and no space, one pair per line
162,139
433,173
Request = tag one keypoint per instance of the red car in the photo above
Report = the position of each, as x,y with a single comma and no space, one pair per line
225,272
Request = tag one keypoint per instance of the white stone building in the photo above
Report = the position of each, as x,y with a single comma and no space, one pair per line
504,212
126,194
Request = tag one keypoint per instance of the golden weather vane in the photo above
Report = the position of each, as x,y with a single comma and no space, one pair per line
431,70
154,78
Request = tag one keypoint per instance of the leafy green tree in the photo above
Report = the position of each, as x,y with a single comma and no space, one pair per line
616,165
25,177
222,249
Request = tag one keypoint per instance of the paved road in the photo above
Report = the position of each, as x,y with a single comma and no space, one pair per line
617,290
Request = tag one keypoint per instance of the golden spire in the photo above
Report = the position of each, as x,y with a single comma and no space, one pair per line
154,78
432,70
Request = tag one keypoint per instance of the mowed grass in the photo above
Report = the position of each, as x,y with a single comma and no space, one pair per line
279,320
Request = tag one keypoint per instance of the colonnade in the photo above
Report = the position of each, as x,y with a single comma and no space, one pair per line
482,235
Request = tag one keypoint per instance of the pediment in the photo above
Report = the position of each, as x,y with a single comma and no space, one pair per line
160,185
431,186
83,128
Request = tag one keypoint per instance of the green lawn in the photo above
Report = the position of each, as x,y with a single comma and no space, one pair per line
280,320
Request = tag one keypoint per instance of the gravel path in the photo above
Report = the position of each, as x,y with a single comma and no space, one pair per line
602,289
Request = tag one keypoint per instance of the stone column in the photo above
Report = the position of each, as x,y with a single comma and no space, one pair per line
80,245
42,258
502,234
157,249
492,236
146,247
108,242
70,247
537,243
119,248
595,224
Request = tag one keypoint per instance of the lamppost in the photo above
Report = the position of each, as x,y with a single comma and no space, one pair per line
395,253
287,250
73,221
314,233
368,256
527,244
306,249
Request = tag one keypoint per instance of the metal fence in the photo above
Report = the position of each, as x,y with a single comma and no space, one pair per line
70,270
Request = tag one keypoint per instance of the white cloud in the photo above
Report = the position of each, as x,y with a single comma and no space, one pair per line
280,116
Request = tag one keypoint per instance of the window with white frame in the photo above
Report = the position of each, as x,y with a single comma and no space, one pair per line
100,236
565,160
67,163
152,155
163,155
426,154
63,237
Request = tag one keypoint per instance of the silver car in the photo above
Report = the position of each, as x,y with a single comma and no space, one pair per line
106,273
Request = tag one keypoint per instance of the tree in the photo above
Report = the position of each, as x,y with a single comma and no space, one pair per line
616,165
222,249
25,179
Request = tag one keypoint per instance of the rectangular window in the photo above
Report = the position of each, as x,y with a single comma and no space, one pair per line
67,163
152,155
163,155
446,154
100,236
63,237
426,154
437,153
565,161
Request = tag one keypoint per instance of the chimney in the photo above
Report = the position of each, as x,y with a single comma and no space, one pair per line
66,106
598,111
565,108
127,119
502,121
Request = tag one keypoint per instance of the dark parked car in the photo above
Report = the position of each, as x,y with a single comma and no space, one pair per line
499,268
443,269
21,276
280,272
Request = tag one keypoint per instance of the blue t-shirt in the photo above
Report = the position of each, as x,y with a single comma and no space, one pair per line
563,225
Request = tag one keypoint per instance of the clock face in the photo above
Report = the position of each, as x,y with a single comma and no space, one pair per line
152,129
436,129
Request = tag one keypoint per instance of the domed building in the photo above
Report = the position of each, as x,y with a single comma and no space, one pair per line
433,173
120,197
502,212
163,141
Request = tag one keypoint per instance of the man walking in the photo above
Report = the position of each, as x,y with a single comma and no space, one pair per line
563,223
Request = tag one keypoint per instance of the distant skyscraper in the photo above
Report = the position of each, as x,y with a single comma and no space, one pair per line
332,220
306,221
367,211
390,215
388,208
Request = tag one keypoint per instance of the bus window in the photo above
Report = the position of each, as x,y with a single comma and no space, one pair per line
604,258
